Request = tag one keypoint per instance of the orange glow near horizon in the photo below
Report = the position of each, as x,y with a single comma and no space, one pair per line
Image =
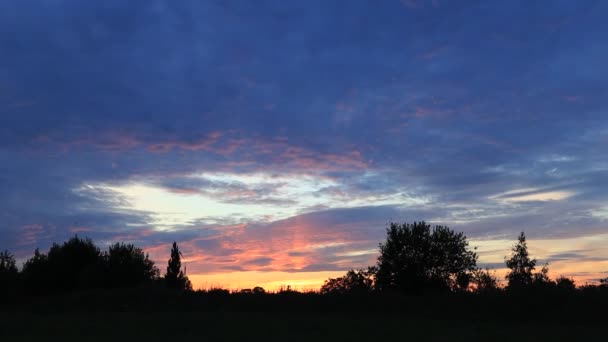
585,271
270,281
273,246
312,281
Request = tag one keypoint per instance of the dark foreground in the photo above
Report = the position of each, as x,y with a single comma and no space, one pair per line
137,316
280,327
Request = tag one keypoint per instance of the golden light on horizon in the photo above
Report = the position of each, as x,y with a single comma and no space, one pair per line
270,281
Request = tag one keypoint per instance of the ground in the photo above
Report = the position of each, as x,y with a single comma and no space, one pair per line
226,326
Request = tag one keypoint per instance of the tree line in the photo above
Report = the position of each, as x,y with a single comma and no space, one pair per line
417,259
414,259
78,265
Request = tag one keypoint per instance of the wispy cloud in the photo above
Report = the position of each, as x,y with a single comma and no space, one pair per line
277,143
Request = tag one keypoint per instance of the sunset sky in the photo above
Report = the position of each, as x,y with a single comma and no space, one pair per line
274,140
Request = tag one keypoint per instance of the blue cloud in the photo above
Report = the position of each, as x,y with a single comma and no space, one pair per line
454,108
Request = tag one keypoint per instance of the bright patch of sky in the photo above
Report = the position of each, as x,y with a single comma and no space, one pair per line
532,194
213,205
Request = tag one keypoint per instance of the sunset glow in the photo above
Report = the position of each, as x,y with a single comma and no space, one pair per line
275,141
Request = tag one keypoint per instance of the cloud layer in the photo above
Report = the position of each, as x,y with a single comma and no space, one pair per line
281,138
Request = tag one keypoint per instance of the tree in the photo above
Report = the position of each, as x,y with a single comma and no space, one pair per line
354,282
175,278
484,281
8,273
416,258
541,279
522,267
565,284
8,266
127,265
258,290
75,265
35,273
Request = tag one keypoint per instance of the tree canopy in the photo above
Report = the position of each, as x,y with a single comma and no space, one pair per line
8,272
417,258
78,264
127,266
353,282
74,265
485,281
35,273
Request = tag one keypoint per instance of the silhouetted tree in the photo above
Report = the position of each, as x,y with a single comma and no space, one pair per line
522,267
258,290
353,282
604,282
76,264
127,265
565,284
8,273
541,280
484,281
175,278
35,273
416,258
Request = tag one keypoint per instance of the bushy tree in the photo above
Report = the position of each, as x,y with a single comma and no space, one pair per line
484,281
541,279
353,282
35,273
8,273
565,284
521,274
127,266
416,258
76,264
175,278
8,266
258,290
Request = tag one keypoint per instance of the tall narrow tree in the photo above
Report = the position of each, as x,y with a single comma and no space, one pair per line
522,267
175,277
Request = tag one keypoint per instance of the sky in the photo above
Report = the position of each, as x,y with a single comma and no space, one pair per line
275,140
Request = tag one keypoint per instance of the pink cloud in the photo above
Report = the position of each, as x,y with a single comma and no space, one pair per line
76,230
30,234
246,152
291,245
206,143
421,112
416,4
410,3
432,53
311,160
573,98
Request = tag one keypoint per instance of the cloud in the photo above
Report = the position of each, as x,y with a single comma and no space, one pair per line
287,127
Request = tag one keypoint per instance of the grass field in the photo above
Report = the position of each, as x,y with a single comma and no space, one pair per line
139,315
280,327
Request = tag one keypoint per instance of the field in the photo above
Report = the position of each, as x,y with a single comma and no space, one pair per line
280,327
162,316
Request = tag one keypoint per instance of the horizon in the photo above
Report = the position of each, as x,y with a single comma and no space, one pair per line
302,281
275,141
